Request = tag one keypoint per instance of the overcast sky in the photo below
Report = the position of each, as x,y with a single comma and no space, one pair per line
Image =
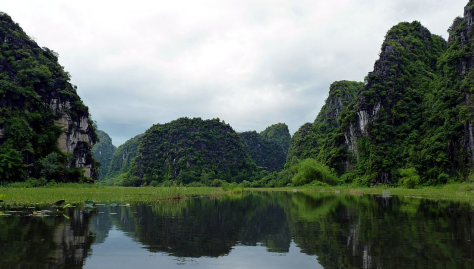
251,63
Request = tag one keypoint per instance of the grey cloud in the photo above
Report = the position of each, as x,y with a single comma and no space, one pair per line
251,63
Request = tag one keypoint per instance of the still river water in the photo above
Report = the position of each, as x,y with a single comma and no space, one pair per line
250,230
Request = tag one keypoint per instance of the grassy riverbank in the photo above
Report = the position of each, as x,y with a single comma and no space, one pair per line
461,192
78,193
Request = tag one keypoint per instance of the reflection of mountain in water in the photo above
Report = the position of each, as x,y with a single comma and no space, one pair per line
45,242
376,232
200,227
342,231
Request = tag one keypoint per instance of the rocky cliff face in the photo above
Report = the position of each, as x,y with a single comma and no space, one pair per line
449,142
40,111
389,109
77,136
461,41
309,140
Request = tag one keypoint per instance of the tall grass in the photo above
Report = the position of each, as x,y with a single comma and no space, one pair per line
78,193
459,192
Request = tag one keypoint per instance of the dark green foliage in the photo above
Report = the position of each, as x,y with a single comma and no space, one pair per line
32,84
123,157
409,177
414,111
390,107
303,144
11,164
309,170
379,128
53,166
447,148
103,152
186,150
308,141
279,134
267,149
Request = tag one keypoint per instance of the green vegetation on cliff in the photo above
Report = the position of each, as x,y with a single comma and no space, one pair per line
279,134
189,150
123,159
446,151
378,131
103,152
411,123
266,154
269,148
309,140
39,111
389,111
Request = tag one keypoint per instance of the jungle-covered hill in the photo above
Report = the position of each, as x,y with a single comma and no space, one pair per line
411,121
46,132
188,150
269,148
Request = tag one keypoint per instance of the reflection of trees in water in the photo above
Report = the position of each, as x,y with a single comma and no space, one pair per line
45,242
370,232
269,227
344,231
100,223
200,227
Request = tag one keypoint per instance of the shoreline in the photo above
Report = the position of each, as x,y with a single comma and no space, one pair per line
78,193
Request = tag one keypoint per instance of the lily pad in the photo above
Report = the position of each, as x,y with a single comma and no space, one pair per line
60,202
89,203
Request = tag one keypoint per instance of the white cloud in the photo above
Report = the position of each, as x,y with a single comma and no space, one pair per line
251,63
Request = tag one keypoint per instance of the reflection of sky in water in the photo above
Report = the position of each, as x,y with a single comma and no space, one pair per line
261,230
121,251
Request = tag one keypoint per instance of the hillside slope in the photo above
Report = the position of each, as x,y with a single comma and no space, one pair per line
45,128
190,150
103,152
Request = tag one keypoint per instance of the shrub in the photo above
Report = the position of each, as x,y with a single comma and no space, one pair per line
53,166
217,183
347,178
310,170
75,175
232,187
245,184
443,178
11,164
167,183
258,183
40,182
131,181
409,177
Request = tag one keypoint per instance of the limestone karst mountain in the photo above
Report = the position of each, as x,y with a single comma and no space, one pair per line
45,128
